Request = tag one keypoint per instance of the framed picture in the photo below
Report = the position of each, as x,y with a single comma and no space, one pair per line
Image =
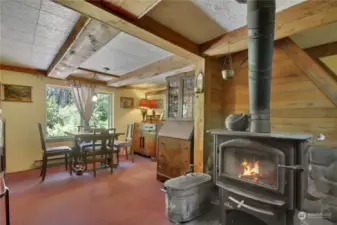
126,103
17,93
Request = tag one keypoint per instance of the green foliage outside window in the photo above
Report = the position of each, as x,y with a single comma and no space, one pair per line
62,114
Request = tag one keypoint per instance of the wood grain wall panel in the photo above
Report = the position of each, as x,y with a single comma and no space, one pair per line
297,105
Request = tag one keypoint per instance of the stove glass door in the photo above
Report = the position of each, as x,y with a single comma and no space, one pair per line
251,162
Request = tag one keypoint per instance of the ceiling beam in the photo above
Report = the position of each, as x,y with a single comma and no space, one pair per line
173,64
78,28
145,28
80,45
322,50
88,36
86,80
23,70
322,78
155,92
38,72
98,72
306,15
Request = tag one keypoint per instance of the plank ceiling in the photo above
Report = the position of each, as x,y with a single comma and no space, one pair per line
33,31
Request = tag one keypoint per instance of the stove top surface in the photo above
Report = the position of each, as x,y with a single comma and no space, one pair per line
289,136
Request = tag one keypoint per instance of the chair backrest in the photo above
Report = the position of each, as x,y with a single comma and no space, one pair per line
129,131
85,128
42,140
111,136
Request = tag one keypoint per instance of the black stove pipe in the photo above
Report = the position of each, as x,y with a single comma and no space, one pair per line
261,24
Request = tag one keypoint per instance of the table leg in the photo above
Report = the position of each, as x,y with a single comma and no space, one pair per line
76,152
8,222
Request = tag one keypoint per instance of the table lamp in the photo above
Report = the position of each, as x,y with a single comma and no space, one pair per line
144,104
153,105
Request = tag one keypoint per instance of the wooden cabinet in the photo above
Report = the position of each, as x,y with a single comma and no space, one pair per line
175,149
174,157
180,97
144,139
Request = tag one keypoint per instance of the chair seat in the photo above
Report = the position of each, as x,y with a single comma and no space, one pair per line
59,149
89,144
121,143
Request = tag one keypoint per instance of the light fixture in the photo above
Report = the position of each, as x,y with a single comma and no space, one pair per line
144,104
94,97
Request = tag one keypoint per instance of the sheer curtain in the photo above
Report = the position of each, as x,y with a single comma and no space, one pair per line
83,94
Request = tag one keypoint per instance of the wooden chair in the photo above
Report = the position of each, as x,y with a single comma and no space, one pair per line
104,151
4,193
51,152
127,143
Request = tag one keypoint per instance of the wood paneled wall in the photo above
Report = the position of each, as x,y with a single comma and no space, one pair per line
297,105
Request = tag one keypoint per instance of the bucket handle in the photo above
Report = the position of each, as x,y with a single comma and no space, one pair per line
163,189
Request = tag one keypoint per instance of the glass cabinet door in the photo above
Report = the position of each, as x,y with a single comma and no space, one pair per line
187,98
173,99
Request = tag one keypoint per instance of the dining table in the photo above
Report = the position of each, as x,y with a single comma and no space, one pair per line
78,137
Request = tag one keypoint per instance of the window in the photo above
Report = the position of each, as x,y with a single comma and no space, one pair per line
62,114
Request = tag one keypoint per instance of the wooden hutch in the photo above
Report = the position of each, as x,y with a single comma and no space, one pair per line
175,137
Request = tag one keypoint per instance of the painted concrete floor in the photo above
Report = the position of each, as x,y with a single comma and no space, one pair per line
129,196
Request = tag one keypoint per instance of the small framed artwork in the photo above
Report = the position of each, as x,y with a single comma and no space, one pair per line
126,103
17,93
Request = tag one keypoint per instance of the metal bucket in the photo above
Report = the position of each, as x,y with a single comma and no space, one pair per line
187,197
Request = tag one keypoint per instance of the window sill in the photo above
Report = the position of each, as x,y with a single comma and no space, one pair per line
58,139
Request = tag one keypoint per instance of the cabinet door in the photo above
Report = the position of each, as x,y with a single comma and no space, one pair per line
173,99
187,97
173,158
136,139
149,145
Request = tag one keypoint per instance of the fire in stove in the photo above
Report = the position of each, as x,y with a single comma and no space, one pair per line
251,170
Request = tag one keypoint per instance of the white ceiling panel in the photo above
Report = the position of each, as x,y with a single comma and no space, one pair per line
15,35
50,33
56,22
17,24
15,45
123,54
58,10
20,11
32,31
32,3
49,43
231,15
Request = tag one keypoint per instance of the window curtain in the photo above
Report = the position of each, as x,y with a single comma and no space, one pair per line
83,94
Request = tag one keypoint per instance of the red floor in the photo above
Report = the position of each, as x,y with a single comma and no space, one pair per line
130,196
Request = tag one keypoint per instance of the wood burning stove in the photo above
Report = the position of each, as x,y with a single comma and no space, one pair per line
261,174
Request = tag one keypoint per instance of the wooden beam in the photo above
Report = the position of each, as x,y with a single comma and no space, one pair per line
80,46
155,92
171,65
23,70
306,15
98,72
43,73
144,28
322,78
78,28
86,80
322,50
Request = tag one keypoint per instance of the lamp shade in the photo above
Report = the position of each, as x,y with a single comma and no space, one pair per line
144,103
153,104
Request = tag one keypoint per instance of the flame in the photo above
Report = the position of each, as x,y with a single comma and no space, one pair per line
251,169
